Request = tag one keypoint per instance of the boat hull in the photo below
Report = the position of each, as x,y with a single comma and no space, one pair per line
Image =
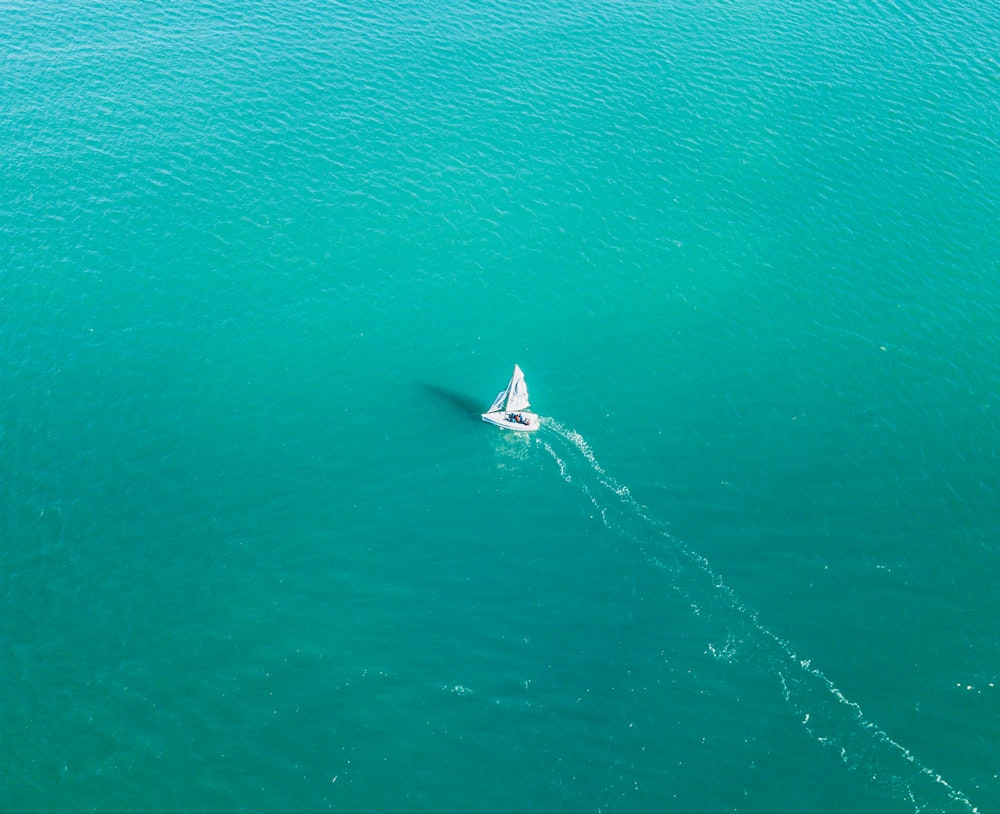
506,420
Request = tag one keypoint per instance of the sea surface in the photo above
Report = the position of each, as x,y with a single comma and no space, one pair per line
262,265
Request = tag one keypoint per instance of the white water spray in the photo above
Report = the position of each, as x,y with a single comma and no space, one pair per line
824,711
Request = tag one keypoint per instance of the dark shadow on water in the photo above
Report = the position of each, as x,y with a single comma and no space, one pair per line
458,402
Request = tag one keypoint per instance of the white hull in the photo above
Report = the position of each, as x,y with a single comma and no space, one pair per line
501,420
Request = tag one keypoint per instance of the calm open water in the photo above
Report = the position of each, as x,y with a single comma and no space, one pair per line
262,265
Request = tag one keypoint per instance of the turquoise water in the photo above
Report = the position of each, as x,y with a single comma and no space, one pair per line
262,265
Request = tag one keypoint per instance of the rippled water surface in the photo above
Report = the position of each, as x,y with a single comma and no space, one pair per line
262,265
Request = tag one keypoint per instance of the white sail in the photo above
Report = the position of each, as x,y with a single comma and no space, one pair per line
514,397
517,392
499,401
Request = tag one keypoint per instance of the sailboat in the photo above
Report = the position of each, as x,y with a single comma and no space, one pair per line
510,406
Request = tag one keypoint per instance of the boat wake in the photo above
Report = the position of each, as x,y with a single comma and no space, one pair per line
829,717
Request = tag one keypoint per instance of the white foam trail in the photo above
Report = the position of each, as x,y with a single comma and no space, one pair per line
825,712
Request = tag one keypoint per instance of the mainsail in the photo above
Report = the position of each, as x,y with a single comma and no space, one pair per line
517,392
515,397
